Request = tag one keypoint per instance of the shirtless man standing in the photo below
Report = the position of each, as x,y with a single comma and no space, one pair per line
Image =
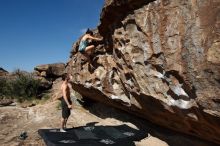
66,102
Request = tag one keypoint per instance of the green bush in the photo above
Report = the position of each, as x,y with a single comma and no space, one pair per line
25,86
5,87
22,87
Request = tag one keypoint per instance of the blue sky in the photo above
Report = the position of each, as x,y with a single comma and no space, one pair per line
34,32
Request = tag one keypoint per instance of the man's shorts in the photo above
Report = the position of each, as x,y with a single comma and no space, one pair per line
65,109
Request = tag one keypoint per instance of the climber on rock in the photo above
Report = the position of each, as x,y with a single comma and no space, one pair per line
84,46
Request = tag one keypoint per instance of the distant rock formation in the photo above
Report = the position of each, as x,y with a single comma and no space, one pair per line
50,70
160,60
47,73
3,72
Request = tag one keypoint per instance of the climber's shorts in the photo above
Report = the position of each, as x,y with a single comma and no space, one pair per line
82,46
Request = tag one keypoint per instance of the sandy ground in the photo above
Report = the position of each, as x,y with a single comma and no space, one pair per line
14,120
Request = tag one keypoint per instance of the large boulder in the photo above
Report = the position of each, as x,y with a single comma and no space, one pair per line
51,70
48,73
160,60
5,102
44,84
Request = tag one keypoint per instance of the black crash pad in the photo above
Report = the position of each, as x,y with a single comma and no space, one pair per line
121,135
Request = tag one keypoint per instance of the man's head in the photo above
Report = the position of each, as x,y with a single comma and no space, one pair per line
66,77
89,32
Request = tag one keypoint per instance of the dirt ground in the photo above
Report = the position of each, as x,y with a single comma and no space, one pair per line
14,120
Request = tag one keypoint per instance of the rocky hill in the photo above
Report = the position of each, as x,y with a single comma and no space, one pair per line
159,60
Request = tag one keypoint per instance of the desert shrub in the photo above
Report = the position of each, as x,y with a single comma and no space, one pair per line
5,87
23,86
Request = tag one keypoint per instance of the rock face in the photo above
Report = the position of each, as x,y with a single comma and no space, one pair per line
159,60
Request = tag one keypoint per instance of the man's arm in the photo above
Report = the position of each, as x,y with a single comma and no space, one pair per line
70,86
95,38
65,97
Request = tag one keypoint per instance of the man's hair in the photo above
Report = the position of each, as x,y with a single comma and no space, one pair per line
65,76
89,32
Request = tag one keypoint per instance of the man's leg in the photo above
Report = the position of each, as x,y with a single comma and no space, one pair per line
89,49
65,121
66,117
87,56
62,125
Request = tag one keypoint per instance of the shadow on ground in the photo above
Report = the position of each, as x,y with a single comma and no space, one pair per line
172,138
121,133
91,135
